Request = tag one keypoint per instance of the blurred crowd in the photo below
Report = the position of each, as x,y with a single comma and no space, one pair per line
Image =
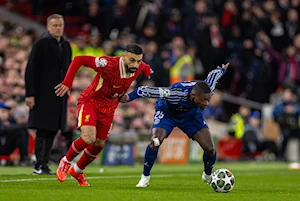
182,40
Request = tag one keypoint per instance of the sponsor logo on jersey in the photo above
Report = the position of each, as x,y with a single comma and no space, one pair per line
116,87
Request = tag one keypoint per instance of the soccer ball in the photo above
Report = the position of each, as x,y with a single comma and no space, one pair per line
222,181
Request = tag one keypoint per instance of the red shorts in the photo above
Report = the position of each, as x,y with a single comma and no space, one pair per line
88,116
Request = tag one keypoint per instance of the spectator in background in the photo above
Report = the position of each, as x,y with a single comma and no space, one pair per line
13,134
292,24
229,18
123,17
288,64
257,70
94,47
93,15
215,110
253,140
148,13
78,46
47,65
183,66
238,121
192,51
173,26
212,42
277,31
199,19
150,33
151,56
287,114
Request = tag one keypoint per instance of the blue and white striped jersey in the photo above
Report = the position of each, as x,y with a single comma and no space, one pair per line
174,100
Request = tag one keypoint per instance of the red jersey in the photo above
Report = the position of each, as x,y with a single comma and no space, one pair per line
109,83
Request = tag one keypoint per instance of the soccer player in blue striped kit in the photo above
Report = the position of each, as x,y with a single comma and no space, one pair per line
180,105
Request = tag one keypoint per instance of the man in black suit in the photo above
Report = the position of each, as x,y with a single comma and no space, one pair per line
47,65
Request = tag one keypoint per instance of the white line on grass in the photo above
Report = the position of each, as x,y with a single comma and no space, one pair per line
99,177
244,174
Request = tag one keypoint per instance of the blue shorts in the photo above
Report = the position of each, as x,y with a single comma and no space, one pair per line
189,125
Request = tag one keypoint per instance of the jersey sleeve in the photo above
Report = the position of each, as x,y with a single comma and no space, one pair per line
146,70
213,78
95,63
173,96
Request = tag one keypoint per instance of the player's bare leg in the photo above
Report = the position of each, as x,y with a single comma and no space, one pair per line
158,136
203,137
88,136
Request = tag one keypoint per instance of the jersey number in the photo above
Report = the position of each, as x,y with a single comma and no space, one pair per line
159,115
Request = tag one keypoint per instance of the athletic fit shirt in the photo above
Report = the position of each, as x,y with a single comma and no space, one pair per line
109,83
174,100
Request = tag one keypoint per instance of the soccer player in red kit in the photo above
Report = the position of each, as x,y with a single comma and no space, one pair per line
97,104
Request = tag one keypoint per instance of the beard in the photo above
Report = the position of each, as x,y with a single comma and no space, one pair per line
131,69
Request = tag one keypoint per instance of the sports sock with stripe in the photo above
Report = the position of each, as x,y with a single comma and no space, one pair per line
76,148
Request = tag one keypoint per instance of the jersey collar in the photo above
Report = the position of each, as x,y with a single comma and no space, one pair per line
123,69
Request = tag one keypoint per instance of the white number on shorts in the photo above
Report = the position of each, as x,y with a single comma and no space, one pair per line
159,115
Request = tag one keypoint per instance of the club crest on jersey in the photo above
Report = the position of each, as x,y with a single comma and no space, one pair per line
156,121
87,118
101,62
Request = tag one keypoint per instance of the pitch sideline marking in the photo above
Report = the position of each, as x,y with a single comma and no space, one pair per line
97,177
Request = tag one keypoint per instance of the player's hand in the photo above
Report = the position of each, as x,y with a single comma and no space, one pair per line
224,66
61,90
124,98
30,101
151,72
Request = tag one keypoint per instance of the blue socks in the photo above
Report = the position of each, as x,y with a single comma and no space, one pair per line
150,157
209,162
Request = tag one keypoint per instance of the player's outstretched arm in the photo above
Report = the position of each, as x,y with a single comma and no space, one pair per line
171,95
78,61
64,87
215,75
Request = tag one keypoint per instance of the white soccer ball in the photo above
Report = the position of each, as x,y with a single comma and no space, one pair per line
222,181
294,166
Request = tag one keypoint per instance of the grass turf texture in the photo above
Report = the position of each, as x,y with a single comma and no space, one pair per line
253,181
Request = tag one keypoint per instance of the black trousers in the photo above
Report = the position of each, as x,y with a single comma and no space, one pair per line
43,144
287,134
17,139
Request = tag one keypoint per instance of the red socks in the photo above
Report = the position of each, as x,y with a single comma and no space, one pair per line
89,154
75,149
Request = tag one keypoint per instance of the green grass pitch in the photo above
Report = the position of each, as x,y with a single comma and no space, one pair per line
253,182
